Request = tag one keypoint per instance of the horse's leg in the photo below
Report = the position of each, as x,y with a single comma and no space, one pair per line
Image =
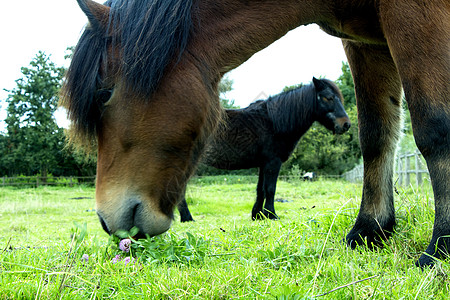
419,42
258,206
378,93
185,214
271,171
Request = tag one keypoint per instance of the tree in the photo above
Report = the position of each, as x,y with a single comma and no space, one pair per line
321,151
345,83
225,86
33,138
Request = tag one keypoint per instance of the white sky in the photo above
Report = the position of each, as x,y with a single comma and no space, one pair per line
28,26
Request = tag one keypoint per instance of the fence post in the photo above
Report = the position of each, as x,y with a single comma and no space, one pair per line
399,170
418,168
37,181
4,181
70,182
407,167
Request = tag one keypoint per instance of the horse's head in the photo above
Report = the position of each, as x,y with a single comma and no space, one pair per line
148,140
329,109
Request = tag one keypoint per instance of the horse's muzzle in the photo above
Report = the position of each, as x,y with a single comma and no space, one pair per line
133,213
342,125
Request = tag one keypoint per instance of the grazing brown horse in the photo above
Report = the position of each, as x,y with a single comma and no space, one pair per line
143,85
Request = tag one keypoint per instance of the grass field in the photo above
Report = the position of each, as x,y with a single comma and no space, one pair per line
45,232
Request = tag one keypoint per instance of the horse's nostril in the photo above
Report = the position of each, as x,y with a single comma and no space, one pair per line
105,228
135,208
347,126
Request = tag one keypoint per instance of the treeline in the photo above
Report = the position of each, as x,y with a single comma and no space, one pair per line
33,144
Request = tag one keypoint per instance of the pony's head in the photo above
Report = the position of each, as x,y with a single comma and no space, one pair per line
131,90
329,110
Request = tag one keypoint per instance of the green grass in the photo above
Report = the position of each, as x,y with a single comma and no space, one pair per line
223,255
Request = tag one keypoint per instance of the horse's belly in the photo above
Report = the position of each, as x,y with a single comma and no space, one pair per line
356,22
229,157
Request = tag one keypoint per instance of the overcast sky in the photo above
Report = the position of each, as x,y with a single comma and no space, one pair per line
28,26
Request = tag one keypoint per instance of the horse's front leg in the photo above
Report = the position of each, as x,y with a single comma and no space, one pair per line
271,171
257,212
185,214
419,42
378,94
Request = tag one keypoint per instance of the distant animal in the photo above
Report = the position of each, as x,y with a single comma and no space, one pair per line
264,134
310,176
142,91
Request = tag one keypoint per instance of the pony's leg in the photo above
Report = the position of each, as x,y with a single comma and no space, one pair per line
419,42
271,171
257,212
378,93
185,214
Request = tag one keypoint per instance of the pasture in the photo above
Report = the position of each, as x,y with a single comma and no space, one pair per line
301,256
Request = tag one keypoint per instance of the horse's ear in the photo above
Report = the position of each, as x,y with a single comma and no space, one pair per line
97,14
318,84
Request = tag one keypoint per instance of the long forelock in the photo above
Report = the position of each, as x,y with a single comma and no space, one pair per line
335,88
149,33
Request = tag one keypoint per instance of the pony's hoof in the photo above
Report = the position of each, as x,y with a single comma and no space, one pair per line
272,216
425,261
187,220
258,216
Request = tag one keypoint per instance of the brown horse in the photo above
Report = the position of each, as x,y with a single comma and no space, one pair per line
143,84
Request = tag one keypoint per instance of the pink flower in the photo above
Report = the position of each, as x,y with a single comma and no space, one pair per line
116,259
126,260
85,258
124,245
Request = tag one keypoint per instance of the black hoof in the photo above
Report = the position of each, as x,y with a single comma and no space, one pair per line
369,233
258,216
425,261
439,248
264,215
272,216
187,220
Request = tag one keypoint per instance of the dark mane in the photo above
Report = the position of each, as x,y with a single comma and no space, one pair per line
150,33
289,110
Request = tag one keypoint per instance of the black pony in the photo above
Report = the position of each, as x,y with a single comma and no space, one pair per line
265,133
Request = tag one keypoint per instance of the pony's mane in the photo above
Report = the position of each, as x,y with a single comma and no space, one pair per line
152,32
289,110
149,34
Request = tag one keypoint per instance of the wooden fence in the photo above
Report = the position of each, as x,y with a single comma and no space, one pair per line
41,181
409,167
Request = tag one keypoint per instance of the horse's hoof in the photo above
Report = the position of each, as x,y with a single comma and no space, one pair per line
369,239
272,216
258,216
425,260
187,220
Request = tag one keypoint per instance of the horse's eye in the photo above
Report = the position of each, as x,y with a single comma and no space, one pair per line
102,96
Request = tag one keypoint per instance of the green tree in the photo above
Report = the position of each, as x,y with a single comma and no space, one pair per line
321,151
33,139
347,87
292,87
225,86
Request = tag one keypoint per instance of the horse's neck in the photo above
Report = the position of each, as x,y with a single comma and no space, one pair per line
300,118
231,31
303,124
